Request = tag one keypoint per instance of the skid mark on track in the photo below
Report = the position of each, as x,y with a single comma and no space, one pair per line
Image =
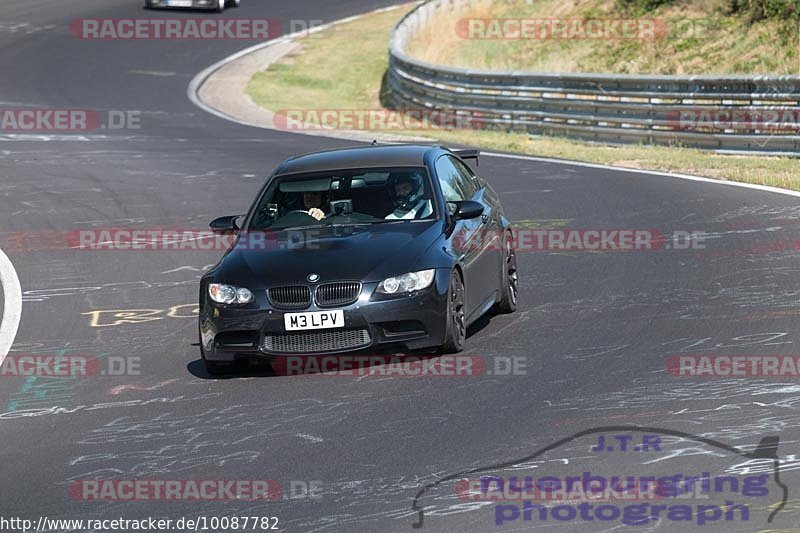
310,438
119,389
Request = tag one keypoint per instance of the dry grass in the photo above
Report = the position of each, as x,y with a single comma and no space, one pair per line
351,78
701,38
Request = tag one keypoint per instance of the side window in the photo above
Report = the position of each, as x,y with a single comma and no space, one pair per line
451,181
469,176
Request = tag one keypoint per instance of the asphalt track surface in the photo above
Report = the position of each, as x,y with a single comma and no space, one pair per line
594,329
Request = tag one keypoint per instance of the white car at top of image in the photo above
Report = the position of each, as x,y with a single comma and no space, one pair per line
217,5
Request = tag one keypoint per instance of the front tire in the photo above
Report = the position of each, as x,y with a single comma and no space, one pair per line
456,328
510,289
233,3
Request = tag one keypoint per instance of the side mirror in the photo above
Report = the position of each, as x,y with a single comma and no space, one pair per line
225,224
468,209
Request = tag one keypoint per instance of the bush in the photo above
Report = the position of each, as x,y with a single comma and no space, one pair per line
642,6
754,9
763,9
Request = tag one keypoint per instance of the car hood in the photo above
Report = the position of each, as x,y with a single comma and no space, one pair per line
363,253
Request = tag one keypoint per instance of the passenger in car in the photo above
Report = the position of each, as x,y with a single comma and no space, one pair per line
407,192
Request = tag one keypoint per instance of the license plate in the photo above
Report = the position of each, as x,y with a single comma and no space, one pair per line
179,3
314,320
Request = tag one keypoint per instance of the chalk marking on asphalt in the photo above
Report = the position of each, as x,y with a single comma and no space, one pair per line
115,391
27,137
308,437
152,73
12,305
199,79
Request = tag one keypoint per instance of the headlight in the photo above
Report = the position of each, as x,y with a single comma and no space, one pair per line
413,281
228,294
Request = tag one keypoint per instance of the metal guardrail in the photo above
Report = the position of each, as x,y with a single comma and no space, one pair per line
599,107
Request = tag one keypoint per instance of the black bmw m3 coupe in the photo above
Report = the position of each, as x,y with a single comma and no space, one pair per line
390,248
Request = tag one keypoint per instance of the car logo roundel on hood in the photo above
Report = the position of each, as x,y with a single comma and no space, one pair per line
313,278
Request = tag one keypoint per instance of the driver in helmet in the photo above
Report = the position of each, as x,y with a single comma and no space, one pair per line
407,192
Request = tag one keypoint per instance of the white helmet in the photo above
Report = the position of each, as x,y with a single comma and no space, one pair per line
417,191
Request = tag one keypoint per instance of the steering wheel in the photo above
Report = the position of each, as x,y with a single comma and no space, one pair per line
304,211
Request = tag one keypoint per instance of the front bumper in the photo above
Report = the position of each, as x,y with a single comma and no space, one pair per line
402,324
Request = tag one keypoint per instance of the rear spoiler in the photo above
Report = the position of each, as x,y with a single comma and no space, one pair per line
468,154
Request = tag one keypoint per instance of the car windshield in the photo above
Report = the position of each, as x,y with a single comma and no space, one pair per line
345,197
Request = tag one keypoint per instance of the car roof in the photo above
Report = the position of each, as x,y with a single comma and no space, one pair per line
395,155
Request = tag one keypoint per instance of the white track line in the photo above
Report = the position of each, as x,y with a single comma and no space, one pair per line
200,78
12,305
765,188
